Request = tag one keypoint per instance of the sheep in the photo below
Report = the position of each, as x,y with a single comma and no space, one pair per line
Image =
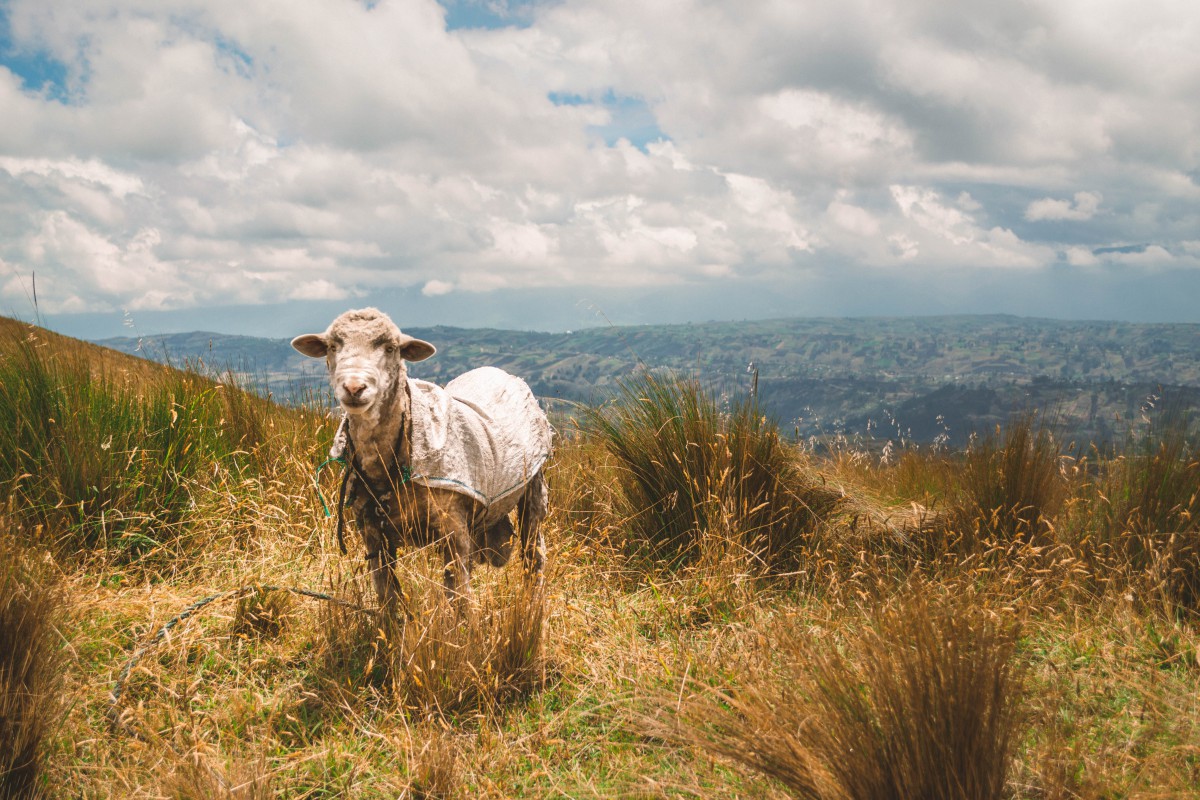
430,465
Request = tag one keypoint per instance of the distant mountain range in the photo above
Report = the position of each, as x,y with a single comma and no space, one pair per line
920,379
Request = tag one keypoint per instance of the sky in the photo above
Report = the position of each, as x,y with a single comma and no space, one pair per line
259,167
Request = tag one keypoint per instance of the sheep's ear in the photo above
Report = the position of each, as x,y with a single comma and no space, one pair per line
311,344
416,350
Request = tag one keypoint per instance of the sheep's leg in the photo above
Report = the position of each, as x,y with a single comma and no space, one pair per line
532,509
456,543
457,574
498,542
381,556
393,592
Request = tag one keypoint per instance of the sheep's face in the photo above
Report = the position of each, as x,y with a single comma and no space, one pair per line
365,354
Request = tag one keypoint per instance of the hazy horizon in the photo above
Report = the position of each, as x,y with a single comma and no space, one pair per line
555,311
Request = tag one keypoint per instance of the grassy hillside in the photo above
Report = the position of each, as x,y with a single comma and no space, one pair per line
919,379
725,614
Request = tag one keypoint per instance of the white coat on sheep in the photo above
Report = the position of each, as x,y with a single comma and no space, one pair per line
432,465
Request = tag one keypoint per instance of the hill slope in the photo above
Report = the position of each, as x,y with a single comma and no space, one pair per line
939,611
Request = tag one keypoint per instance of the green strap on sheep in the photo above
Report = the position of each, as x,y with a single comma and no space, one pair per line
317,481
405,475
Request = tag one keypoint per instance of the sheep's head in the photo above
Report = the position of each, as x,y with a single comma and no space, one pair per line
365,354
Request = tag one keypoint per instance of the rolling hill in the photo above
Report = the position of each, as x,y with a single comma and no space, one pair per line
917,379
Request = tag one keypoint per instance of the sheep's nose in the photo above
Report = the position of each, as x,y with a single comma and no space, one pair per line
354,387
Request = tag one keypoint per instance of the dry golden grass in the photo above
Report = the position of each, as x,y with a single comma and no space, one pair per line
921,701
534,693
31,669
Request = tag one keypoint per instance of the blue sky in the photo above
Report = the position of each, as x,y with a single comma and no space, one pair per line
212,164
481,14
628,118
36,70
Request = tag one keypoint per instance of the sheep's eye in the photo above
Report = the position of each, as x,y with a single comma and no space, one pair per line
332,347
389,348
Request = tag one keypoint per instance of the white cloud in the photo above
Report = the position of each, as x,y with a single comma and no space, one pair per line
818,132
968,203
436,288
1083,208
855,219
318,290
942,234
203,152
525,244
1081,257
79,266
1151,256
772,211
927,209
94,172
903,247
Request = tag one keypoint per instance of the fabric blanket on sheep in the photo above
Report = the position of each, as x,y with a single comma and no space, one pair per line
484,435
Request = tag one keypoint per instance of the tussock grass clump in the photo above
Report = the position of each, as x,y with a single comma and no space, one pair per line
921,703
247,415
349,646
924,476
1149,511
687,465
99,459
434,770
1011,484
195,779
31,670
446,661
584,494
455,662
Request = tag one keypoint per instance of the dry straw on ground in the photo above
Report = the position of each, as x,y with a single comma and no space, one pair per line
922,701
32,665
784,623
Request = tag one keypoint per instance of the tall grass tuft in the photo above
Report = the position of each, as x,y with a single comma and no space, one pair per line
444,661
687,466
1012,484
434,769
99,459
1150,510
451,662
922,704
195,779
350,648
31,671
584,500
